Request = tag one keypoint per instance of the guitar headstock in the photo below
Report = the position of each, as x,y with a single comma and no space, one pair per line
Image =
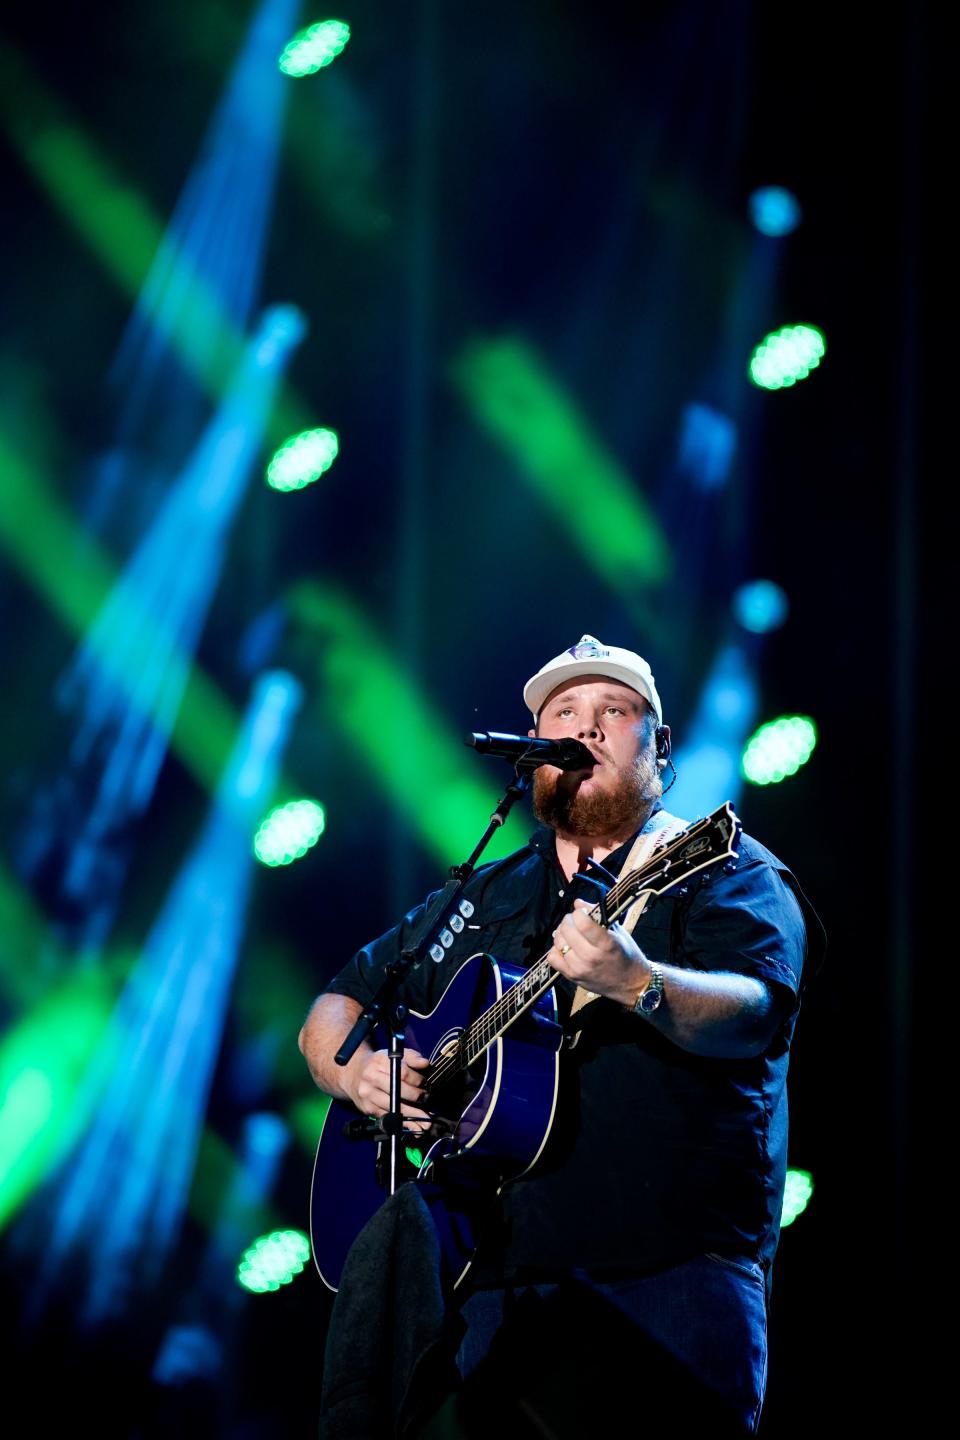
710,841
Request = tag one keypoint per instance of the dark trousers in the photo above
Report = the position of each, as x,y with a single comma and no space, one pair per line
686,1346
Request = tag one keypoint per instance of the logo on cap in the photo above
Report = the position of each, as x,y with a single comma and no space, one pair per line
588,649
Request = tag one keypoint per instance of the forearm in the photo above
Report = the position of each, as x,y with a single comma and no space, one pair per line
706,1012
721,1015
325,1029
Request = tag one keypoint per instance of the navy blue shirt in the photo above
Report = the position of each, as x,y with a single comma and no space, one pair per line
656,1155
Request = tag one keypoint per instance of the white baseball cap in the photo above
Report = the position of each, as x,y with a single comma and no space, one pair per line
589,657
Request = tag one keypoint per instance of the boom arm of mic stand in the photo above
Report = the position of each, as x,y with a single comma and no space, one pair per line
373,1015
386,1005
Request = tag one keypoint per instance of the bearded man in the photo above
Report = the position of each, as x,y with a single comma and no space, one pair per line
656,1200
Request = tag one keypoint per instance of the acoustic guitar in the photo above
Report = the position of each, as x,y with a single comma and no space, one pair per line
493,1042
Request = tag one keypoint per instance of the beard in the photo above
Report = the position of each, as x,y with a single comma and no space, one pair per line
559,803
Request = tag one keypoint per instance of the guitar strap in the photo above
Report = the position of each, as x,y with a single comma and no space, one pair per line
659,831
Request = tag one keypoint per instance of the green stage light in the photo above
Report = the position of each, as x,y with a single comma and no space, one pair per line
289,831
27,1105
75,576
514,396
796,1195
273,1260
314,47
117,224
302,459
787,355
307,1116
778,749
43,1107
463,792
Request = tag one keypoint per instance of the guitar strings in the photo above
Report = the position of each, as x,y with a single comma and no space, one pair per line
537,979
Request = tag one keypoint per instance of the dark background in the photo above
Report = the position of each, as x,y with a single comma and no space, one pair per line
577,175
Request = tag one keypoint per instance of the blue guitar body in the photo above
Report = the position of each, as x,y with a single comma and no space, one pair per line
496,1114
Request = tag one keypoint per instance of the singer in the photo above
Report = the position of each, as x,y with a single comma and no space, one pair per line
630,1268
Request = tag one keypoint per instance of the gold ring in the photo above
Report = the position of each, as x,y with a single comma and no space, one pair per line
563,949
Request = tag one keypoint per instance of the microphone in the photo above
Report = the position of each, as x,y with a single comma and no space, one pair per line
527,754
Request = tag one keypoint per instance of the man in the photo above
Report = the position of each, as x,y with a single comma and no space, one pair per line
657,1198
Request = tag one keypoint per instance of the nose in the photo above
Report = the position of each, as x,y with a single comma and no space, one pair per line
590,731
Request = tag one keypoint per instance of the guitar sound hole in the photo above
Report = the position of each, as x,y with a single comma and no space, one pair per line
449,1098
462,1104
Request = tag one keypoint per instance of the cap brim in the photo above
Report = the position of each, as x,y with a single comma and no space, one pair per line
537,689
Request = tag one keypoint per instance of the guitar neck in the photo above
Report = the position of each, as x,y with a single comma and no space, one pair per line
512,1003
702,844
541,976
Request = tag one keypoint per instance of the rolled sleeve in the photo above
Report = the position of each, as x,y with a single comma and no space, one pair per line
363,975
747,922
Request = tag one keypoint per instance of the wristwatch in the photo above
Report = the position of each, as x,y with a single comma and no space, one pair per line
652,993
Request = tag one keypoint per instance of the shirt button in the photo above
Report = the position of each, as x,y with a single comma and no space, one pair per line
560,893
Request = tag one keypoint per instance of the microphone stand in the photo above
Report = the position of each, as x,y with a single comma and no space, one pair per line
444,918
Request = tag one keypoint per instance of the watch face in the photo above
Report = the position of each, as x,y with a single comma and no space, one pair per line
650,999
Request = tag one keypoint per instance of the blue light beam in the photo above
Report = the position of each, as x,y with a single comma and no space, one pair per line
196,1346
153,1083
127,680
708,443
708,761
205,279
